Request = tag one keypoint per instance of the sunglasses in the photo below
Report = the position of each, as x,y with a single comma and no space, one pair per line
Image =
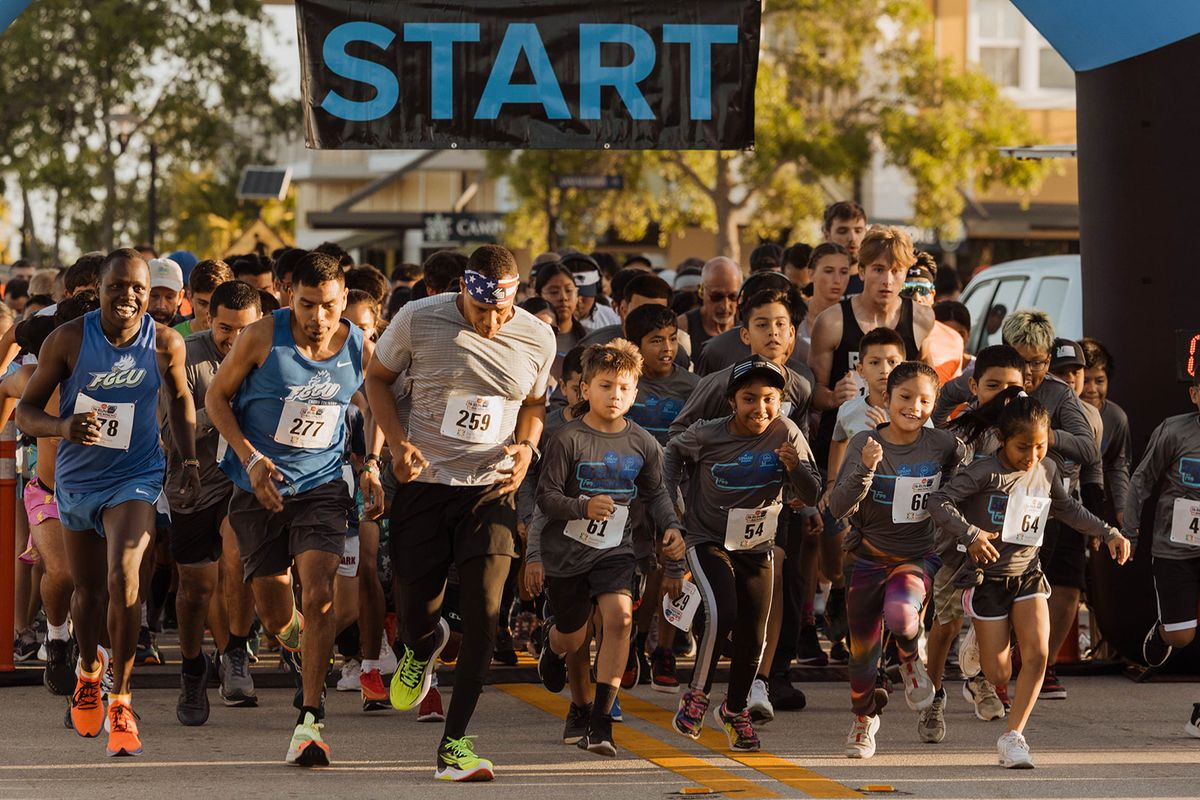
719,297
917,287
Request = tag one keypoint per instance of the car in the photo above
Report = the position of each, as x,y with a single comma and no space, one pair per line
1049,283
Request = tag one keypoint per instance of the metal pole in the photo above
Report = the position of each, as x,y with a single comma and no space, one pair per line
8,533
152,224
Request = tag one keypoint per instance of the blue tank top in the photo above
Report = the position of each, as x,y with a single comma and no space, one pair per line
121,384
293,410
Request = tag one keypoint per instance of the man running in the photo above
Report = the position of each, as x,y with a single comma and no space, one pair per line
720,280
108,367
478,369
279,399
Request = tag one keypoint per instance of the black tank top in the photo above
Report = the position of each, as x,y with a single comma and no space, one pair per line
696,332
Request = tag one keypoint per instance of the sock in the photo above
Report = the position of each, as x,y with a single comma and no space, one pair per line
58,633
602,707
124,699
91,676
731,702
316,714
433,682
290,637
236,642
145,616
369,664
194,666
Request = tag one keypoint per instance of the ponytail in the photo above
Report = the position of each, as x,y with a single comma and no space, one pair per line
973,425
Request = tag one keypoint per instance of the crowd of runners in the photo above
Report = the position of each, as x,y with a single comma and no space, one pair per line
793,464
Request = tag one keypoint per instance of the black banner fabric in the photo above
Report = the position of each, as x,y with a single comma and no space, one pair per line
621,74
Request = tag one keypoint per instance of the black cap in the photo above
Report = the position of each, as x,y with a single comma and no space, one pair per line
1066,354
756,367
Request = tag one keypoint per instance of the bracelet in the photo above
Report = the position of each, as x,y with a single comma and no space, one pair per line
371,457
254,458
192,462
371,468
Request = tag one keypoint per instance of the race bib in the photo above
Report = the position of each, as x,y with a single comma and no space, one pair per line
747,528
600,534
681,611
472,418
910,501
222,448
307,426
1185,522
1025,520
116,420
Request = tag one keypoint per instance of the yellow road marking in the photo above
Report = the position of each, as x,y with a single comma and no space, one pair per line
649,748
786,772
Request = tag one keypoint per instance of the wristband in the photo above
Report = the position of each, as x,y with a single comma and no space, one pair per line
254,458
371,468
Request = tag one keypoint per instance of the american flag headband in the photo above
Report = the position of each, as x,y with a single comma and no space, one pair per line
491,291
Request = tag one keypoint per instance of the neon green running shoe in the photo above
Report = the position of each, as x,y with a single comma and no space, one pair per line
457,762
413,675
307,748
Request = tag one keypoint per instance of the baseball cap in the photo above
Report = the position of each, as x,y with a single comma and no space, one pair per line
687,279
586,273
165,274
1065,354
186,260
745,371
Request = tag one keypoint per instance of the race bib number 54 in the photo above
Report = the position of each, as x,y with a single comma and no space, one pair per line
1185,522
747,528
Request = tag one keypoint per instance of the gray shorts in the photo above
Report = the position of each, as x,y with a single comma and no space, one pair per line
312,520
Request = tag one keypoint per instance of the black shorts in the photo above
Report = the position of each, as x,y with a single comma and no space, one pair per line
1177,585
1066,563
195,538
434,525
572,598
994,598
312,520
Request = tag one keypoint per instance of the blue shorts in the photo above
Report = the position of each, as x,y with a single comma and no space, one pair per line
84,511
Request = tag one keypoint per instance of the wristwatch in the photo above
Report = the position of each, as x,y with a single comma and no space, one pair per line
537,454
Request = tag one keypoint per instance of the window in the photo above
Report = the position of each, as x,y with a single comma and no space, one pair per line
1007,300
1000,36
978,300
1050,297
1010,51
1053,71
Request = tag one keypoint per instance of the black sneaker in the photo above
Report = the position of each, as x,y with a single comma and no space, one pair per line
1193,726
784,696
192,708
552,668
25,646
644,671
1154,650
504,652
810,653
577,723
599,738
59,676
633,668
838,654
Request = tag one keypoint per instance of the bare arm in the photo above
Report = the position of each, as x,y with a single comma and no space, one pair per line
923,320
54,367
181,410
250,350
11,389
826,333
9,349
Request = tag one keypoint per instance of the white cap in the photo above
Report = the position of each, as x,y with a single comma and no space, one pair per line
165,274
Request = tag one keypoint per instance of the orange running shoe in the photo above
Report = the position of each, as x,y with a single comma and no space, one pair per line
87,712
123,737
374,693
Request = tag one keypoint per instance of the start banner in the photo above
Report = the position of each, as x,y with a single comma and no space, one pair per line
438,74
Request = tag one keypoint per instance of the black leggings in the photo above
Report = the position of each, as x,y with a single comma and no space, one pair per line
735,589
481,584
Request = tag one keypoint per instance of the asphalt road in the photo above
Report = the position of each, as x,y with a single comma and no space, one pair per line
1110,738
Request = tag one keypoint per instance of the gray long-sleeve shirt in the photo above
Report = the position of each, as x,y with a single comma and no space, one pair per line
1115,450
1074,440
709,401
1173,457
582,463
976,500
726,471
880,502
659,401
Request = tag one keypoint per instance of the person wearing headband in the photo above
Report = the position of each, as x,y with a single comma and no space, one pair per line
590,313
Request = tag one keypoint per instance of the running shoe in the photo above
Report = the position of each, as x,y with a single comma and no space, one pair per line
387,658
351,670
645,672
122,727
931,725
458,762
860,743
552,668
1014,751
918,689
87,711
25,646
968,654
1052,688
577,723
192,706
599,738
504,652
759,703
784,696
689,718
662,671
1154,650
1192,728
838,654
633,668
810,653
414,675
59,676
614,713
430,709
307,748
738,729
374,693
982,695
237,687
147,648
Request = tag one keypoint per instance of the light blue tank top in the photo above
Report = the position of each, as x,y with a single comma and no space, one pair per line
293,410
114,378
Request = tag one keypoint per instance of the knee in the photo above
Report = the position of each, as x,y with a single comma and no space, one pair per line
618,623
124,588
193,589
317,599
1035,656
902,620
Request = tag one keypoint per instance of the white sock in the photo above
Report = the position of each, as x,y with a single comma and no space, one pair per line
369,664
145,616
433,684
58,633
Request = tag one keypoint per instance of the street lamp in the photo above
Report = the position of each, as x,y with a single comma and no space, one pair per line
125,123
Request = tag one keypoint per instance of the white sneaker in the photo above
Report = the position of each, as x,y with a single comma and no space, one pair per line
1014,751
968,654
931,725
759,704
980,692
387,658
861,741
1192,727
918,689
351,672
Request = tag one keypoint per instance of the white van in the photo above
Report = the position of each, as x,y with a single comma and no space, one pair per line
1050,283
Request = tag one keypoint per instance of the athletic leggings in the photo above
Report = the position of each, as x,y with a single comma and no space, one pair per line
735,589
481,584
877,594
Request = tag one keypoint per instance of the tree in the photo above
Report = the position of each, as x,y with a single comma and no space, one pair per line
837,83
187,75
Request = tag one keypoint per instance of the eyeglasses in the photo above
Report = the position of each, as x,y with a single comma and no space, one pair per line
719,297
1037,364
